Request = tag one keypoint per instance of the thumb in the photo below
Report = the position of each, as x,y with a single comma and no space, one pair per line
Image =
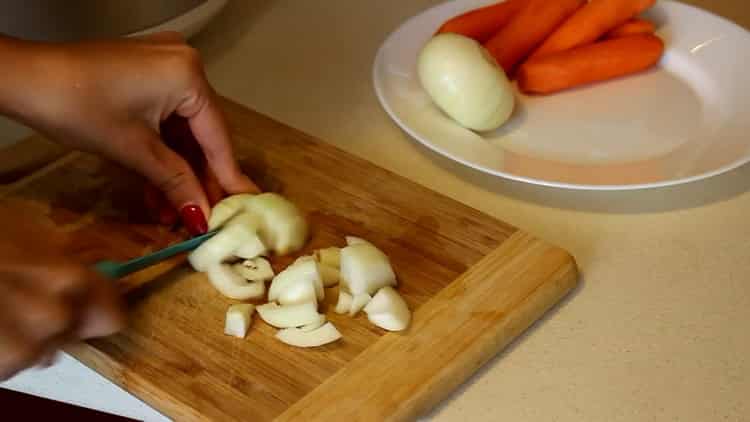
102,313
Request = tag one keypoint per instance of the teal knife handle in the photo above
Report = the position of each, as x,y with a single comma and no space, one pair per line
114,269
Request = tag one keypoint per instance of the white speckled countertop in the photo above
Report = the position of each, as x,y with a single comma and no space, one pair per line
658,329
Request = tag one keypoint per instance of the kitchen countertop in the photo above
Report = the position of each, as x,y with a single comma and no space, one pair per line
658,329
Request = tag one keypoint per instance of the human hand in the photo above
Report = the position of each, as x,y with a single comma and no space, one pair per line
110,98
46,299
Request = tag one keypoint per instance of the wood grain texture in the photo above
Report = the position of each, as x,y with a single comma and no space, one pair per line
174,355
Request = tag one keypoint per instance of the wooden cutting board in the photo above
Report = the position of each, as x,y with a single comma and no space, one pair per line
474,282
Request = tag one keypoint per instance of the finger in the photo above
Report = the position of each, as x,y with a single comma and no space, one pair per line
39,316
212,187
210,130
48,359
158,206
162,37
17,352
172,175
103,314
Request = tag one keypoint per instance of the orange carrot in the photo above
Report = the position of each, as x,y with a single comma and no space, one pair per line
632,27
481,24
591,22
528,29
590,63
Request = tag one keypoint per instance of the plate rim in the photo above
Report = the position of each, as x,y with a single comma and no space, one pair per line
378,63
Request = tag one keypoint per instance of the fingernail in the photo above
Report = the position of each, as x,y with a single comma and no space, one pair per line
194,220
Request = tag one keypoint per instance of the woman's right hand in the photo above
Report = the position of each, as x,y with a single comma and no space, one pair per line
47,300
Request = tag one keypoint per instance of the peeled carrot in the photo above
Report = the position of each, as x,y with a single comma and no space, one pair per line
591,63
632,27
591,22
481,24
528,29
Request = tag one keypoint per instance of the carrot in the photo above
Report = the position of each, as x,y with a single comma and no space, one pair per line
481,24
590,63
528,29
632,27
591,22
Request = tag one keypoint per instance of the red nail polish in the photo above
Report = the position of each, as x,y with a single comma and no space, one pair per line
194,220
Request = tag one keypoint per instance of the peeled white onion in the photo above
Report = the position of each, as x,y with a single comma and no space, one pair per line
358,302
238,320
289,315
220,247
226,209
233,285
465,81
318,337
388,310
365,269
284,228
251,248
329,256
258,269
344,303
300,272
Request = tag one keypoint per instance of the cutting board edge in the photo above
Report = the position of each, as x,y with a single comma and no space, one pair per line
379,405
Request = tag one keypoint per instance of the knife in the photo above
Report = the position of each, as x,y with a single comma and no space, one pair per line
113,269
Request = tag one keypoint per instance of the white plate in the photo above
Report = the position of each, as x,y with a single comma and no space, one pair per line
686,120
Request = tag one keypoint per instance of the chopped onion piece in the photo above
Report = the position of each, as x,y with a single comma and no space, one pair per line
315,325
232,285
226,209
365,269
238,320
344,303
301,291
220,247
318,337
330,257
388,310
303,258
306,271
329,275
390,322
354,240
358,302
258,269
284,228
289,315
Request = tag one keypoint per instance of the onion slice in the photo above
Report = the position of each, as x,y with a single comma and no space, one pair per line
232,285
344,303
354,240
315,325
238,320
365,269
330,257
288,316
300,272
358,302
318,337
329,275
388,310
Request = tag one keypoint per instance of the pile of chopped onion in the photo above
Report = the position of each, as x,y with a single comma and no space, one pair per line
253,226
